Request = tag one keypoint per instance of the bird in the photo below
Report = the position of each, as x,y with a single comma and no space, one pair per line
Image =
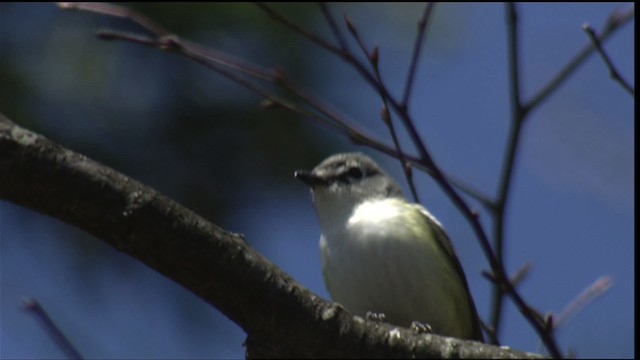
382,254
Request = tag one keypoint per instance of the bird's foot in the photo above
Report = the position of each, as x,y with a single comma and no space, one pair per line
374,316
421,328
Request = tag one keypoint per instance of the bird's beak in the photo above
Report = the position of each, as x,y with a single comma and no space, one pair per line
309,178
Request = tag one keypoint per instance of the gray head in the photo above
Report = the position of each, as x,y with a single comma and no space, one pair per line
349,178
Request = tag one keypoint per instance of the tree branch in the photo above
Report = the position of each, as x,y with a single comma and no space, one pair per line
613,72
215,264
614,22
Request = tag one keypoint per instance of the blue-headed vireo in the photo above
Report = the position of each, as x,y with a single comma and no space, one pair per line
383,254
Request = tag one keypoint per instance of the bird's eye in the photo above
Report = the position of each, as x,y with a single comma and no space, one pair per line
355,172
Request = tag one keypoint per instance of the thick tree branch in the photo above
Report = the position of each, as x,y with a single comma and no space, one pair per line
281,317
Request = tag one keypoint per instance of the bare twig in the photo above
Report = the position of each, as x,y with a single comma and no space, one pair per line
222,63
520,274
613,72
615,21
334,26
54,331
385,114
373,58
520,112
510,153
309,35
354,32
518,115
406,166
210,60
425,158
117,11
587,296
417,48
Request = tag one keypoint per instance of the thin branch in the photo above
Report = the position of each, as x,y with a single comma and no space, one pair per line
425,158
343,54
519,112
354,32
54,331
309,35
319,105
417,48
587,296
117,11
334,26
520,274
176,44
374,61
613,72
517,116
205,56
207,59
406,166
615,21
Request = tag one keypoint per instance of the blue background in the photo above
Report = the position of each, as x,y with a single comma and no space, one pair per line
172,124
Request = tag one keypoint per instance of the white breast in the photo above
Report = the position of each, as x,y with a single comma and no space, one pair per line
380,261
